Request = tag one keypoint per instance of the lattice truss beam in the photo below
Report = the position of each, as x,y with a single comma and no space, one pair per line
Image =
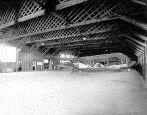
67,43
63,1
66,35
93,19
92,40
10,11
135,43
138,49
89,38
80,14
84,45
88,43
91,43
21,10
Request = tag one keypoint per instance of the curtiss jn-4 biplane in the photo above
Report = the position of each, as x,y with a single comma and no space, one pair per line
77,64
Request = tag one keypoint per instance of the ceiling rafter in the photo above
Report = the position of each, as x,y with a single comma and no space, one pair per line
72,35
134,44
137,51
67,3
140,2
98,48
45,7
92,48
91,19
140,43
142,37
68,27
26,12
38,2
94,17
93,44
134,22
106,41
45,52
91,29
72,40
40,12
27,16
135,48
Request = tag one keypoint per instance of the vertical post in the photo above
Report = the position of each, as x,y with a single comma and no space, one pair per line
121,61
138,59
126,61
107,59
144,64
16,59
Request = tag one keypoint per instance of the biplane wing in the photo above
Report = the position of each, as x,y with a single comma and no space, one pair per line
72,65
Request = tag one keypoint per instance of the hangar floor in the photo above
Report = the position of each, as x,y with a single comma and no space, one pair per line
65,93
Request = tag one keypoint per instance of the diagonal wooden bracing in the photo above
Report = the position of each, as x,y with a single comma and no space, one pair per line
29,9
51,22
134,46
142,2
137,41
100,36
105,11
140,48
73,32
134,22
70,22
99,43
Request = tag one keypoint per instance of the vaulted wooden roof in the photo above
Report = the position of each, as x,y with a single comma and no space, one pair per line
85,26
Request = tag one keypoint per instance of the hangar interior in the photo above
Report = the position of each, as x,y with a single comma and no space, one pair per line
41,29
37,33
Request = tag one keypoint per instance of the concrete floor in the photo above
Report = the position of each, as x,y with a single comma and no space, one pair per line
65,93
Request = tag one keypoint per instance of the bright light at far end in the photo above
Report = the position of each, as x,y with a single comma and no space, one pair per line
84,38
62,55
46,61
66,56
7,53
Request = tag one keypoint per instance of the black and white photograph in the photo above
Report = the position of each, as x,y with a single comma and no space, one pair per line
73,57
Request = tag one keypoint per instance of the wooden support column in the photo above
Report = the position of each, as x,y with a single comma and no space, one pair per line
126,61
17,61
107,60
145,64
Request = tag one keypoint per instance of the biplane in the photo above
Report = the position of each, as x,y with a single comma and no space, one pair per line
78,66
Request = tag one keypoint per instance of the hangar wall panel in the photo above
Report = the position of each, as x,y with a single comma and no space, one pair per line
27,57
7,67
